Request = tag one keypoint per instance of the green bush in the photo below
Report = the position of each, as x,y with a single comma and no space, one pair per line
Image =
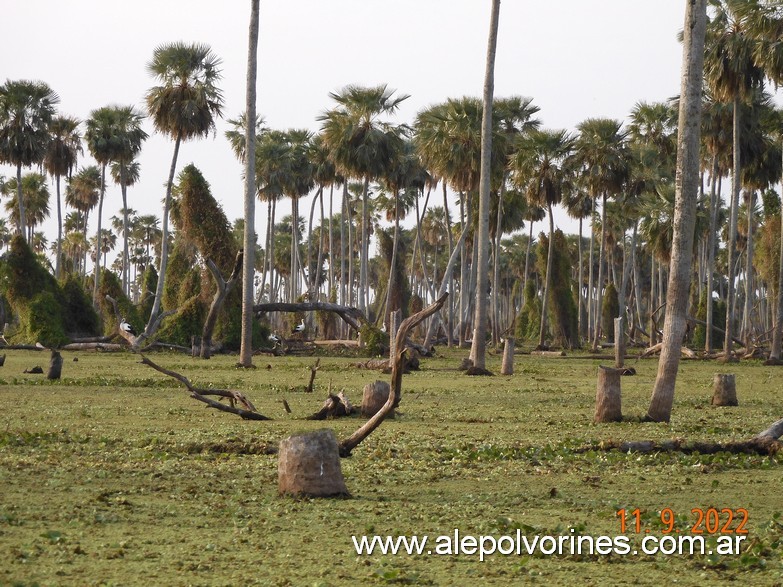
610,309
187,322
80,315
376,343
42,321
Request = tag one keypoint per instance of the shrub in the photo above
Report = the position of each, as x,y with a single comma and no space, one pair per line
610,309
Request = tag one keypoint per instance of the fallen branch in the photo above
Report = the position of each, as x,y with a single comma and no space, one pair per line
351,316
686,352
249,411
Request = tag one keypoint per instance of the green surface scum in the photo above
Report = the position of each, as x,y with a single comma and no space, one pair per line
114,476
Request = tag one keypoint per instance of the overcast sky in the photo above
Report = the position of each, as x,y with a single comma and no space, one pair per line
577,59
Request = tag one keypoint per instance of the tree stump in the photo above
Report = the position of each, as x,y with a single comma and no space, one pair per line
373,398
55,366
309,464
725,390
607,395
195,346
2,360
508,357
619,342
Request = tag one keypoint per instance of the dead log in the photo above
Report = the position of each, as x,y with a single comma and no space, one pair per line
351,316
608,396
724,390
347,445
548,354
94,346
223,288
55,366
313,369
34,370
335,406
686,352
247,412
309,464
374,396
507,367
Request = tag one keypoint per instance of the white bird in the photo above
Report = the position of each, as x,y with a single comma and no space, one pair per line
274,338
299,327
383,327
125,327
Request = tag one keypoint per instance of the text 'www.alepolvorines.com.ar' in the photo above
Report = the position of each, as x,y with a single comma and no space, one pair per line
547,545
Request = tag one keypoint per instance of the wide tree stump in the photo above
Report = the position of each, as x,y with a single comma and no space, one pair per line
507,368
607,395
373,398
55,366
309,464
724,390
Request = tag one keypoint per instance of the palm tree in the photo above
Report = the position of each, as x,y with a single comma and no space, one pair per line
126,171
61,153
183,107
26,111
35,199
82,194
732,73
478,348
362,145
578,205
601,152
687,191
540,167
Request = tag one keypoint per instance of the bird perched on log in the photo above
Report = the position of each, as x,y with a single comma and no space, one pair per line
299,327
126,327
274,339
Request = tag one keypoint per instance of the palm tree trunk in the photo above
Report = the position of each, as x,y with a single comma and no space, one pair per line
267,246
98,247
746,322
600,285
164,245
548,278
450,325
463,278
527,257
273,293
591,319
732,240
57,263
393,264
331,242
580,280
496,269
20,203
125,255
777,333
686,194
708,342
249,236
320,258
364,247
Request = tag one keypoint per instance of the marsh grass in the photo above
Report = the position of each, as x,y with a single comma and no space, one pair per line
114,476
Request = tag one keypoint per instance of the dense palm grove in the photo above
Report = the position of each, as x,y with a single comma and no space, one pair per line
365,177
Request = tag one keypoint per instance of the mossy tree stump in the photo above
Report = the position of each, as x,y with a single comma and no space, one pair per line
607,395
309,464
55,366
724,390
374,396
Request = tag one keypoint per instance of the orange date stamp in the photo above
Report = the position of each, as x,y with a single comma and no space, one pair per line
711,520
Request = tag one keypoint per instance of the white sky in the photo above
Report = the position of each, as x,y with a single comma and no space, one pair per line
576,59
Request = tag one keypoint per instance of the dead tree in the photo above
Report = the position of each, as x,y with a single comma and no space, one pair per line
55,366
724,390
347,445
351,316
313,370
335,406
223,289
607,395
247,412
133,340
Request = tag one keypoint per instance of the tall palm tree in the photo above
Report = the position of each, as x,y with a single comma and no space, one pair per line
541,167
362,145
60,160
578,206
26,111
113,134
82,194
687,191
732,73
184,106
127,171
125,175
478,348
602,153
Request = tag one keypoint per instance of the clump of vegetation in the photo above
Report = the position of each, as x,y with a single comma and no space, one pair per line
80,315
111,286
563,316
610,309
376,343
529,318
718,322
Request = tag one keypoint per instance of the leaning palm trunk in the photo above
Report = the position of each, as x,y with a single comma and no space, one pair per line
98,247
686,193
478,349
496,269
249,257
731,245
164,245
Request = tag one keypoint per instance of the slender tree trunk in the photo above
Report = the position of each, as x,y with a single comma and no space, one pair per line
732,240
450,325
548,278
346,222
777,333
125,255
364,250
478,350
580,281
496,269
320,258
98,247
686,193
600,284
527,258
747,328
708,342
249,237
463,279
267,249
392,265
20,203
591,318
331,242
164,245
